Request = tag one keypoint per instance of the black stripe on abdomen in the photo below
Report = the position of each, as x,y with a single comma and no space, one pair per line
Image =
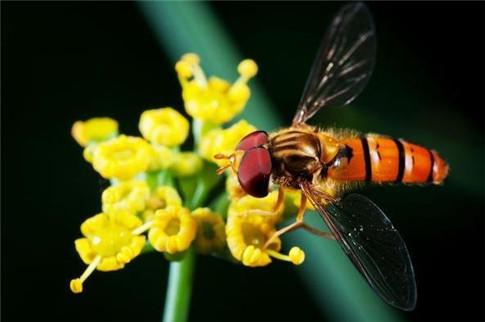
368,166
402,160
431,157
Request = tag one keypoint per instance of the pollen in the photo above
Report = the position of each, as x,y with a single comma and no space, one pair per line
122,158
164,126
173,230
94,130
296,255
247,68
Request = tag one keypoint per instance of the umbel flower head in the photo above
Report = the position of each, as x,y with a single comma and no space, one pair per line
213,100
159,192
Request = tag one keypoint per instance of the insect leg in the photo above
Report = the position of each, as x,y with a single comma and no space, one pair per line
297,224
324,234
280,200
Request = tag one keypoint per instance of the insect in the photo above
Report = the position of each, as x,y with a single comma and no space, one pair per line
323,164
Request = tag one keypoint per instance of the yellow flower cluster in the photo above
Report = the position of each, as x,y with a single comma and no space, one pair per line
213,100
143,211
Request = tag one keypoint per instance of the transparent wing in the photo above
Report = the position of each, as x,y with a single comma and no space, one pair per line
343,64
372,243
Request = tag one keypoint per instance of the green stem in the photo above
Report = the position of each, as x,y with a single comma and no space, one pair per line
179,289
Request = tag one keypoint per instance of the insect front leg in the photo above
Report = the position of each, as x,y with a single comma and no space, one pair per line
278,204
324,234
296,225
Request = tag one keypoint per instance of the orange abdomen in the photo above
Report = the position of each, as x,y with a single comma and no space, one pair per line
383,159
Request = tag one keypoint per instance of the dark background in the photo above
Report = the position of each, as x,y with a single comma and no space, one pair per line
62,62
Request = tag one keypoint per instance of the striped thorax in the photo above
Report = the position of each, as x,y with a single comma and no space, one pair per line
300,154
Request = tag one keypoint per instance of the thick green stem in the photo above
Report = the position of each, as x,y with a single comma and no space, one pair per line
179,289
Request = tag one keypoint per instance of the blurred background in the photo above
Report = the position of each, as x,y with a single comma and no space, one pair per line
63,62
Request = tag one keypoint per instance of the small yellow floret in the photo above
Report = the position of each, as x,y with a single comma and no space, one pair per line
173,230
164,126
106,235
122,157
213,100
219,141
110,242
162,158
161,198
129,196
247,68
211,235
246,237
186,164
94,130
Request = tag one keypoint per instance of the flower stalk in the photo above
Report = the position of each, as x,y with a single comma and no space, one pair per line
179,289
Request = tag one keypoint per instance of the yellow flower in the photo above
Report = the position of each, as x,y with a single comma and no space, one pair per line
211,235
173,230
246,237
122,157
127,196
250,225
164,126
162,158
214,100
161,198
219,141
110,242
251,206
186,164
94,130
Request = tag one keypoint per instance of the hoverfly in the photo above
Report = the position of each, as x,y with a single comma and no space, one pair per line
325,163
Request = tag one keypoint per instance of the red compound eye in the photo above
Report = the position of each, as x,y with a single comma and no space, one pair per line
253,140
254,172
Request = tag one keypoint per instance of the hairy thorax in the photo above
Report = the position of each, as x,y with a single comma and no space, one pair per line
297,154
